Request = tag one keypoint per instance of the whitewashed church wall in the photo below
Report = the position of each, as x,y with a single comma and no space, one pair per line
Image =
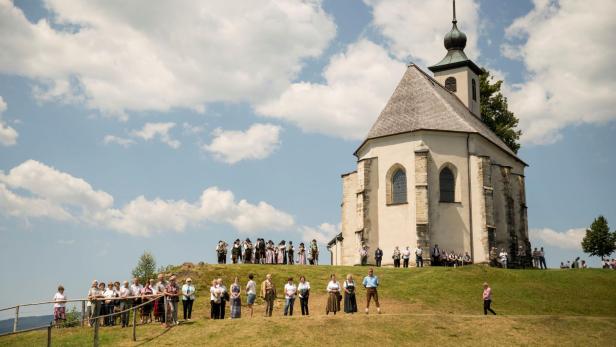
349,217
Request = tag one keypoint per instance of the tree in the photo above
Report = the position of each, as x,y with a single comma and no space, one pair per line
599,241
495,111
146,267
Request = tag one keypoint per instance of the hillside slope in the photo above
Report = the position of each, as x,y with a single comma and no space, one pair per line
420,306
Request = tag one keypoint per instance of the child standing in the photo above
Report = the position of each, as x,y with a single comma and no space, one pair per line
59,309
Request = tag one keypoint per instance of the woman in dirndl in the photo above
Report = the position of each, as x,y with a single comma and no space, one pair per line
302,254
236,300
350,303
333,298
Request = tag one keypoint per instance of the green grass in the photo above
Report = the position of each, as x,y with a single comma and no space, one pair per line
420,306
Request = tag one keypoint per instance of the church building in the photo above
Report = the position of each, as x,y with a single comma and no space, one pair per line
431,172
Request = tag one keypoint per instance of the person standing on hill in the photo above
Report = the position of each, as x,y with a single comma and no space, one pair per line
304,293
301,251
418,256
406,256
159,304
487,299
363,255
333,298
503,258
396,257
436,255
371,283
251,292
172,292
542,259
350,303
290,291
378,256
188,298
59,309
236,300
268,292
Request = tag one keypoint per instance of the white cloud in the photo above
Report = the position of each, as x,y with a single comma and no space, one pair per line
322,233
570,239
416,28
146,55
124,142
258,142
568,51
60,196
192,129
8,135
357,85
159,131
57,187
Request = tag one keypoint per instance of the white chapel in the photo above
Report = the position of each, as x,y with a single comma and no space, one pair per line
431,172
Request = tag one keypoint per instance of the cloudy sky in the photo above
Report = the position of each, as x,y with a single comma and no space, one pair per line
127,127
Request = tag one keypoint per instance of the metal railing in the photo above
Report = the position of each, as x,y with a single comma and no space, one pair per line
83,318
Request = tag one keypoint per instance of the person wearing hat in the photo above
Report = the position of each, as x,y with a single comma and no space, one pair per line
172,293
188,297
487,299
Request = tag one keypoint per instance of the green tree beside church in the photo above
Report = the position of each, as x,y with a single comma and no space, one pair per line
495,111
599,241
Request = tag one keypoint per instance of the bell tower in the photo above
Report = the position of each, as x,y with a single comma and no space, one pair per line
456,71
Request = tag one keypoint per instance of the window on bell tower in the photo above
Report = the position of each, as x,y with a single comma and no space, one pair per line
450,84
474,87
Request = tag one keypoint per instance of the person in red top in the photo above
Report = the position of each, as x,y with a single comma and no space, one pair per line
487,299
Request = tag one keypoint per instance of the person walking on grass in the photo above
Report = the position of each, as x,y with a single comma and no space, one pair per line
290,291
487,299
251,293
371,283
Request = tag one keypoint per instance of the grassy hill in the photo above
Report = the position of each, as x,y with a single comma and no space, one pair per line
420,306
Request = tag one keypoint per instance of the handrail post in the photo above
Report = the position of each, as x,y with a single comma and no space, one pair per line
166,316
96,323
134,324
16,318
49,335
83,313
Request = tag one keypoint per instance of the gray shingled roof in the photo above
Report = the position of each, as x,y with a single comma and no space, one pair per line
421,103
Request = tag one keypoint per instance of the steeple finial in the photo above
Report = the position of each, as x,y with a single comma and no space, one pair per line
454,12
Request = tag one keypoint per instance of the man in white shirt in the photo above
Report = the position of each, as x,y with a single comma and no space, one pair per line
290,290
419,256
406,255
503,258
124,303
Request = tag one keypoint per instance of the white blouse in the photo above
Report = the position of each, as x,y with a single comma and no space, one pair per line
333,286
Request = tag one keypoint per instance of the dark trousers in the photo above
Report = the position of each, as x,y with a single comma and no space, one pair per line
290,257
215,310
542,263
187,306
406,262
419,261
396,262
124,305
364,261
486,307
109,310
303,302
222,309
378,261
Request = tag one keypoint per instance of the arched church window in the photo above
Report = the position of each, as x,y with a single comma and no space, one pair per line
447,185
474,87
450,84
398,185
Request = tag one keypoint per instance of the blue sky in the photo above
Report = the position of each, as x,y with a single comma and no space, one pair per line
109,113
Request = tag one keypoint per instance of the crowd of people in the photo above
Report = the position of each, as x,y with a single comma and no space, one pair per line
607,264
403,258
157,300
291,291
262,252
